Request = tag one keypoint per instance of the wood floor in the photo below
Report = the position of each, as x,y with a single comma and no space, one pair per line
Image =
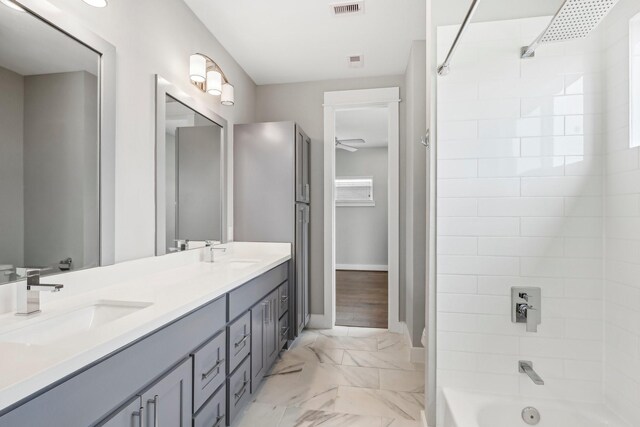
362,298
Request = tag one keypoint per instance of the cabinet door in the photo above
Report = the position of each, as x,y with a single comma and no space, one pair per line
305,270
299,269
129,416
168,402
306,166
258,356
272,339
300,169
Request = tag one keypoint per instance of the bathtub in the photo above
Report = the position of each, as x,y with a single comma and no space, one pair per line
468,409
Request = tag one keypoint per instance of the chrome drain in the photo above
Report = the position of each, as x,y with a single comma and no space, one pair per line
530,415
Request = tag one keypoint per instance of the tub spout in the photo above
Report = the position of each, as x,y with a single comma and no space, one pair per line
526,367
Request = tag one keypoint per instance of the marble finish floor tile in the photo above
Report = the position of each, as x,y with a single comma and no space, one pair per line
298,417
382,403
397,380
327,374
381,359
346,343
299,394
313,354
392,342
367,332
337,331
400,423
260,414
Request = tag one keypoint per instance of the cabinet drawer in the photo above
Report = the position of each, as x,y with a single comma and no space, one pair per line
209,369
283,299
283,334
243,298
239,341
214,411
238,390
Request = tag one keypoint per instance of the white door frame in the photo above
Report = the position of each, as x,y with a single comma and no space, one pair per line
345,100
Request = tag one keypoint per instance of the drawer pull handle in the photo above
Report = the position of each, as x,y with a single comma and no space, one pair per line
154,402
218,421
215,368
242,343
284,299
284,332
241,392
138,414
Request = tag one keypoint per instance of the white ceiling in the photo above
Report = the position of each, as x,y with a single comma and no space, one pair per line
370,124
283,41
28,46
450,12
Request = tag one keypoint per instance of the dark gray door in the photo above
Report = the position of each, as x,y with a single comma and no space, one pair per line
271,330
300,166
299,267
168,402
305,263
306,167
258,356
129,416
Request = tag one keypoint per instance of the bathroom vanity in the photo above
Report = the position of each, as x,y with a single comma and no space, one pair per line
189,344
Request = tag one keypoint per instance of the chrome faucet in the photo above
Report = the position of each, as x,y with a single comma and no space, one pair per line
210,251
526,305
526,367
29,293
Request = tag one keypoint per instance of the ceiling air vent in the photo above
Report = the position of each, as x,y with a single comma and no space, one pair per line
350,8
356,61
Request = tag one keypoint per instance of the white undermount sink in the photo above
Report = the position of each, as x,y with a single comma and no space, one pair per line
79,320
238,264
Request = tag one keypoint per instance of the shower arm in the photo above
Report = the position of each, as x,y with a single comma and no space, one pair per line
530,51
443,69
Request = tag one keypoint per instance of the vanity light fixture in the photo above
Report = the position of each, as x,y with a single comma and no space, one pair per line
209,77
10,4
96,3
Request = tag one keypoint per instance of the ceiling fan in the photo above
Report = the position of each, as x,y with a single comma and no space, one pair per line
340,143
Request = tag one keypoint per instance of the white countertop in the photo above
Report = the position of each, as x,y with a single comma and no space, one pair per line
173,289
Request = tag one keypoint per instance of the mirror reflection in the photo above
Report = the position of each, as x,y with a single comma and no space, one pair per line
193,177
49,149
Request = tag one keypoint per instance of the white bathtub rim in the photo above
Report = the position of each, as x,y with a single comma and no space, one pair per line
463,406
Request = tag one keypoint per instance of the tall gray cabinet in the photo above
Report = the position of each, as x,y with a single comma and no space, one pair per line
272,195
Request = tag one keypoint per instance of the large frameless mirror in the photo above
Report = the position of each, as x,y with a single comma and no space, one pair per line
190,165
52,114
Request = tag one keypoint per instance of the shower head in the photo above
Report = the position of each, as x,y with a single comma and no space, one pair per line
575,20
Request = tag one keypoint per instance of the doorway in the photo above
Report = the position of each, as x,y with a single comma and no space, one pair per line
361,212
361,261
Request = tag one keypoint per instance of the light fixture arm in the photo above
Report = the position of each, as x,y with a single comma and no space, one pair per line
213,65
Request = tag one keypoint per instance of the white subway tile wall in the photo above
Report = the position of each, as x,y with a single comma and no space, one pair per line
520,202
539,185
622,224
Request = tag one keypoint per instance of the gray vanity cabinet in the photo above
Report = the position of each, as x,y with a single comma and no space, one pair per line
196,370
265,340
168,402
259,314
128,416
272,339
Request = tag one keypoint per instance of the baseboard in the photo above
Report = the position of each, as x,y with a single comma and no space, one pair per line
416,354
362,267
319,321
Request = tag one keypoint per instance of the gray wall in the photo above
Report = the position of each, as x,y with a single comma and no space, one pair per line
415,178
11,167
302,102
60,198
199,203
158,41
362,232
